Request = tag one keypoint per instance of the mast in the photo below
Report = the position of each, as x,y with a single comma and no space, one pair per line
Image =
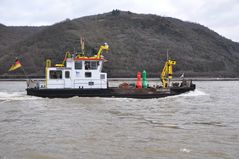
82,44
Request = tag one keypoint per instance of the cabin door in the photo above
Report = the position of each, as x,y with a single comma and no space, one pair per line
68,81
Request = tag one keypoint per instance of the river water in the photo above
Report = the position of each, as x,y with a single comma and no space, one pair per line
200,124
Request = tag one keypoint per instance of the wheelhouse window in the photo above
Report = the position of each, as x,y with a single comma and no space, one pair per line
91,65
78,65
94,65
55,74
102,76
67,74
91,83
87,74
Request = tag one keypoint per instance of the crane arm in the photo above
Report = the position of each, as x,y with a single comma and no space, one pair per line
63,62
163,74
102,47
167,72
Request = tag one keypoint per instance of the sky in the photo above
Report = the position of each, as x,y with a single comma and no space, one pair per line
221,16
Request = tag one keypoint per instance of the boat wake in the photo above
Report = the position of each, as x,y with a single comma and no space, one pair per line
12,96
196,92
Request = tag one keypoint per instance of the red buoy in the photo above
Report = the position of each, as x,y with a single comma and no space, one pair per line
138,82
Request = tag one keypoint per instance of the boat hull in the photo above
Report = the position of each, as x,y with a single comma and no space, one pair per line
110,92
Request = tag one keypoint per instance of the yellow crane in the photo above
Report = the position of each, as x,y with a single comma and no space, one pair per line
67,54
167,73
98,55
102,47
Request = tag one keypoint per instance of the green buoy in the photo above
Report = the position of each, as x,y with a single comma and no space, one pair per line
144,81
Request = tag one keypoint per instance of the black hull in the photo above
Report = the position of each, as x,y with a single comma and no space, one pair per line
110,92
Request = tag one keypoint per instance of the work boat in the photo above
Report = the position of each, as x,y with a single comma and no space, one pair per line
82,76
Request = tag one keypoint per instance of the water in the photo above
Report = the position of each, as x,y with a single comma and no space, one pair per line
199,124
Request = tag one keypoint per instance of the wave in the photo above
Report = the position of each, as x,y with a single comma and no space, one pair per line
212,123
196,92
185,150
10,96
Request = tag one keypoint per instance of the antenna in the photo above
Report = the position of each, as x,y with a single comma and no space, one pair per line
167,55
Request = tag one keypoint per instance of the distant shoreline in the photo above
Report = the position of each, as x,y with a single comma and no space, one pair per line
134,79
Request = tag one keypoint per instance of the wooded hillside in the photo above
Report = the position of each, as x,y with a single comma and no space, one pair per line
137,42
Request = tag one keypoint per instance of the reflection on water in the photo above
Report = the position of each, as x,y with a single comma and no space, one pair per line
199,124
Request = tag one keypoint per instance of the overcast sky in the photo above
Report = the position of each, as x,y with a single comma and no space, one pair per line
221,16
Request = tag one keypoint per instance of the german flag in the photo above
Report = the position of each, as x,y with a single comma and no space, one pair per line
15,66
